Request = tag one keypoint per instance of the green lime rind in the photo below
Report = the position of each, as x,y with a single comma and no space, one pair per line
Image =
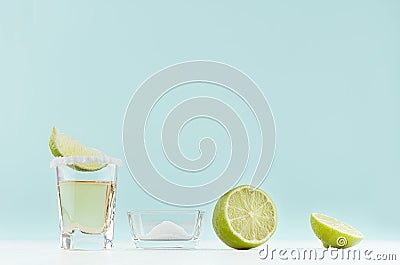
62,145
224,229
334,233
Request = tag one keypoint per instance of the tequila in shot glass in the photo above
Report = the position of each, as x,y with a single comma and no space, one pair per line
86,200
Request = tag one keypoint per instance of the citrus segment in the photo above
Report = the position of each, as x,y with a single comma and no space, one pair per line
63,145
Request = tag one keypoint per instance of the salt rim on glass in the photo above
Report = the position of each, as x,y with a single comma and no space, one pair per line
69,160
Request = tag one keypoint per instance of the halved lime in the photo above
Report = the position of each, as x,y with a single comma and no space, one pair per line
245,217
63,145
334,233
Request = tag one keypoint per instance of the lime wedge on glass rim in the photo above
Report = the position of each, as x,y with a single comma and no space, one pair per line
63,145
245,217
334,233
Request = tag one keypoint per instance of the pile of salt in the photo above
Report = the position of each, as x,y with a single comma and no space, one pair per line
167,230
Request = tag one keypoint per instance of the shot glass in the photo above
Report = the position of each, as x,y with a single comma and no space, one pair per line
86,199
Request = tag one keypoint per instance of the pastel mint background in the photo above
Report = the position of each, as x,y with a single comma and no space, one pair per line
330,71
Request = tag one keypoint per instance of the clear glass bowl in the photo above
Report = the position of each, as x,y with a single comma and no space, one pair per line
166,229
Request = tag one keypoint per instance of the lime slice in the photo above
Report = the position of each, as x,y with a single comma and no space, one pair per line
334,233
245,217
63,145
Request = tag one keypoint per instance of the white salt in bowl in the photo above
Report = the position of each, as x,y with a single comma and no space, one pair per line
166,229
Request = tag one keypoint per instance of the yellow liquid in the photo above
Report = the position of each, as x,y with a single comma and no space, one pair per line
86,205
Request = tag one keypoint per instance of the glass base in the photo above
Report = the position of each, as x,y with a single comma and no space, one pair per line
81,241
166,244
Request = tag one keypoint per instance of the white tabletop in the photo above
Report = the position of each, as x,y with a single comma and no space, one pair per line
124,252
